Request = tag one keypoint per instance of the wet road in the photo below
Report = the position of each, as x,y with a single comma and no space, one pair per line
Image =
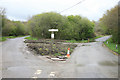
90,60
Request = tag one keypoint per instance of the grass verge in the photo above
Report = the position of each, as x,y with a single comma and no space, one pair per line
84,41
112,46
69,41
31,38
4,38
98,37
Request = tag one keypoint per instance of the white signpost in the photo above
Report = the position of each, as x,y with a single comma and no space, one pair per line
52,32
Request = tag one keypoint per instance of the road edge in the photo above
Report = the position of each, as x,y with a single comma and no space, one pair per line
115,53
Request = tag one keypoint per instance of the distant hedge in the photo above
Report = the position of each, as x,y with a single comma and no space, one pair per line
13,28
70,27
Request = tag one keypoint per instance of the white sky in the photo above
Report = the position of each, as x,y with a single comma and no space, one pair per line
23,9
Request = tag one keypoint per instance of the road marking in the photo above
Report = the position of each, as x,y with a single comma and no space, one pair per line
34,77
52,74
38,72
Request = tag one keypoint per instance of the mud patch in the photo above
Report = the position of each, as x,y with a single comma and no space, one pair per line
108,63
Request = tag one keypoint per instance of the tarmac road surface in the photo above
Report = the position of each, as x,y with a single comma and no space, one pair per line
89,60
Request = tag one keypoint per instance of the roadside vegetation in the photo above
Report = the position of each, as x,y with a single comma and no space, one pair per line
111,45
70,41
108,25
31,38
5,38
8,37
84,41
2,39
72,28
11,29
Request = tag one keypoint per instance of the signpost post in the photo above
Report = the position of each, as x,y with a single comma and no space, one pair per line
52,32
52,37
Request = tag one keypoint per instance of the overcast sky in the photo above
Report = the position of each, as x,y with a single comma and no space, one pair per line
23,9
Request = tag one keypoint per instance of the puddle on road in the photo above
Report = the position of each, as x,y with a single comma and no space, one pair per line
108,63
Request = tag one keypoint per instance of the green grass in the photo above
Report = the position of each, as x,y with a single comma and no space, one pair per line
10,36
112,46
98,37
74,41
4,38
69,41
31,38
84,41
